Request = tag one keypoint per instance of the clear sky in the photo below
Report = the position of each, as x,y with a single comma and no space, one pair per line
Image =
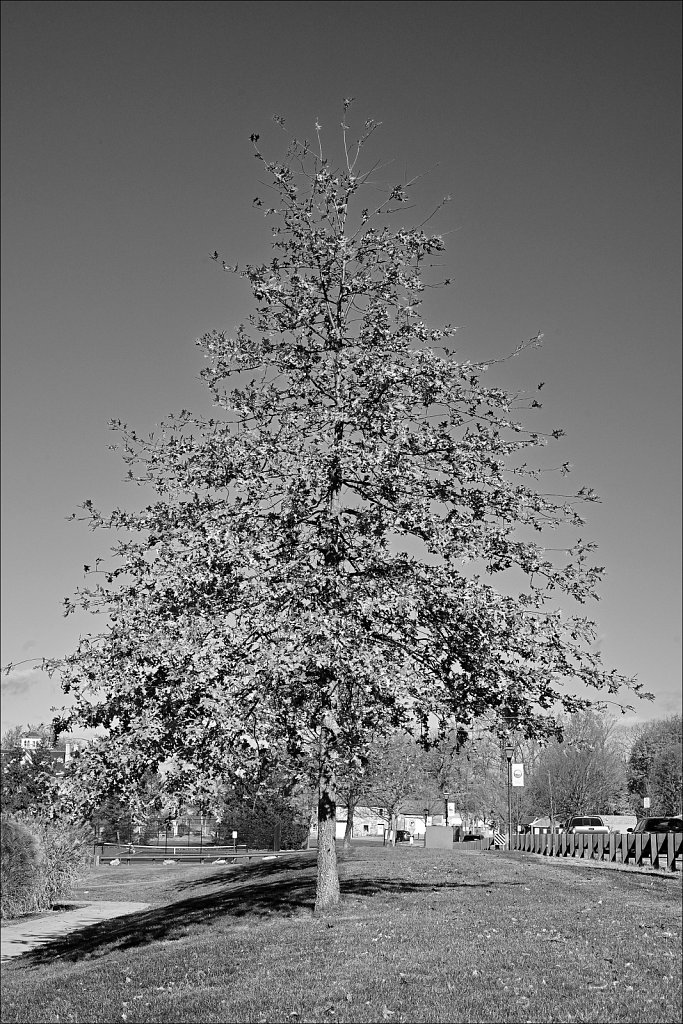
555,127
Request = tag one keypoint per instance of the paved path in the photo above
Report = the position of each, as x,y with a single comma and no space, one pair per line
21,936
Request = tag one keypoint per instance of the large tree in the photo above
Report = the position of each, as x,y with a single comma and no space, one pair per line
583,774
309,571
654,766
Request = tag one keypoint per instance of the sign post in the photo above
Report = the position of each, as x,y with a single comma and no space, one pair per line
509,754
517,774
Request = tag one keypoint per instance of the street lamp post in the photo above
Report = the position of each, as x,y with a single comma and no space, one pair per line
509,752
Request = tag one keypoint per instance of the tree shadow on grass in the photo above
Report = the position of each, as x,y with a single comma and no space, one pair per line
255,893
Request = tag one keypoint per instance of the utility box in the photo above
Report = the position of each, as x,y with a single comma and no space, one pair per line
438,837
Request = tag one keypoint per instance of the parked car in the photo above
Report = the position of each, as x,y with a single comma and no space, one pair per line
470,837
586,824
660,824
403,835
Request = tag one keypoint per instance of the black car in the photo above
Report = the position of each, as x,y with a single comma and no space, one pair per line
403,835
661,824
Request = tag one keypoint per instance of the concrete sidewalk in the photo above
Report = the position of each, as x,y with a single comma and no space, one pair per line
21,936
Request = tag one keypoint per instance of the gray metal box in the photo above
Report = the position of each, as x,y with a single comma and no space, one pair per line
439,837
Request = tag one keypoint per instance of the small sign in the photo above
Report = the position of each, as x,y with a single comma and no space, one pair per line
517,774
646,801
450,809
234,835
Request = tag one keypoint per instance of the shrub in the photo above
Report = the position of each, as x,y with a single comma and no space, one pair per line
23,857
41,859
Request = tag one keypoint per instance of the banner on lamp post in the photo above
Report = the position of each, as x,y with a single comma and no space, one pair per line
517,774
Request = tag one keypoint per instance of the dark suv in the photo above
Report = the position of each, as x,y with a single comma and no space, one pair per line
659,825
403,835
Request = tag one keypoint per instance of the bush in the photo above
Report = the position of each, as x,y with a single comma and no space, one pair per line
23,857
41,860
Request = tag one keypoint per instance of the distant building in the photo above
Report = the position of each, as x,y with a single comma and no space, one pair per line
367,821
410,817
32,741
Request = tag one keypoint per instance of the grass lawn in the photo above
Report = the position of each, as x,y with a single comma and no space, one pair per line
421,936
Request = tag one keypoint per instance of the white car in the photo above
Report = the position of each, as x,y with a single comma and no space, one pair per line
586,824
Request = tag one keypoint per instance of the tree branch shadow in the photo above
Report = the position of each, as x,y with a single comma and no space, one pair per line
253,894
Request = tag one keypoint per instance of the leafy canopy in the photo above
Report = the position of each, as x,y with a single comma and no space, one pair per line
317,565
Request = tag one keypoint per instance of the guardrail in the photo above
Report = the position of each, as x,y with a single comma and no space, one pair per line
227,858
107,851
662,850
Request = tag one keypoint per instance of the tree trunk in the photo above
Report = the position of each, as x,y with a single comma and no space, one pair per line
327,891
348,831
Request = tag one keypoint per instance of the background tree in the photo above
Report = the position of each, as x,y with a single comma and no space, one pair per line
273,802
112,821
11,738
445,766
466,768
349,793
259,817
654,766
310,569
29,780
394,774
583,774
667,784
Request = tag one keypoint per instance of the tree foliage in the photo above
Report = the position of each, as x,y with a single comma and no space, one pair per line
29,779
394,773
316,568
11,738
258,816
654,765
583,774
470,769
